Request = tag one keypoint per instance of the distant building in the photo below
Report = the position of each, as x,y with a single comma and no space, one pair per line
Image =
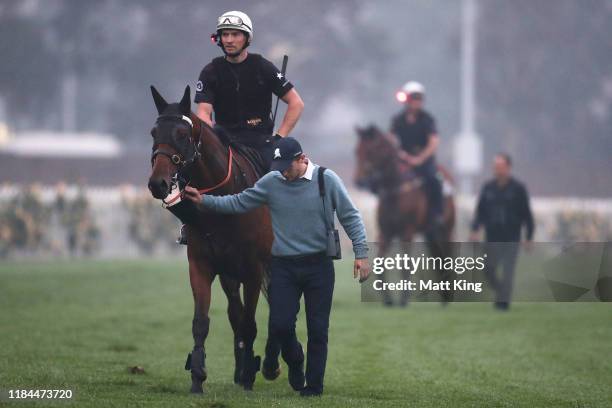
59,144
50,157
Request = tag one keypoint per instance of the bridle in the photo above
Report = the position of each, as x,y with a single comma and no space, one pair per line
183,164
177,159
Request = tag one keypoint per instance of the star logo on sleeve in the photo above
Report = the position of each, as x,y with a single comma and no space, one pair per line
279,75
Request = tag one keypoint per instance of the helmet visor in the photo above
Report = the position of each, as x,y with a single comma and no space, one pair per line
231,21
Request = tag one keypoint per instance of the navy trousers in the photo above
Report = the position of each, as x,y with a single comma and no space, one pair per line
313,277
504,254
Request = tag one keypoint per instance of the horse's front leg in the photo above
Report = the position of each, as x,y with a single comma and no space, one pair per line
248,329
201,277
235,310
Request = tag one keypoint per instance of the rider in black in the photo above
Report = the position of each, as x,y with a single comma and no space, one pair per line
418,136
239,87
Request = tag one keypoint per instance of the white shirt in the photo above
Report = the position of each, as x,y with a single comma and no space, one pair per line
309,170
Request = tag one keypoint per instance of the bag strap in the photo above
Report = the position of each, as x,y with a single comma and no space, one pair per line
321,179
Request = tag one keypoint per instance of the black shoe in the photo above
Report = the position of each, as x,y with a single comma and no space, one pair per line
502,306
296,376
270,370
182,239
310,392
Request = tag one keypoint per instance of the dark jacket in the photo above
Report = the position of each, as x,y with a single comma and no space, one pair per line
503,211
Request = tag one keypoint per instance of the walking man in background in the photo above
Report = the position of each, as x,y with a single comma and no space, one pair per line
300,262
503,208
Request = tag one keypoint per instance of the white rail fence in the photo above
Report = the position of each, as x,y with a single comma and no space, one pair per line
557,219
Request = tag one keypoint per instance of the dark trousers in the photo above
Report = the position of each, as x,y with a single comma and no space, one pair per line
504,254
433,188
314,278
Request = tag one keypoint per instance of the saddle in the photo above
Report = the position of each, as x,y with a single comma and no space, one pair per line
251,154
410,180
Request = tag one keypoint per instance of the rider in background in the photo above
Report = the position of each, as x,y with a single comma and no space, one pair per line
238,88
416,130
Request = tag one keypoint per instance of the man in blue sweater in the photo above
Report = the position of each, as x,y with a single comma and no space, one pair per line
300,264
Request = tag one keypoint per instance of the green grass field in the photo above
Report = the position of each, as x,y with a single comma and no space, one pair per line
81,324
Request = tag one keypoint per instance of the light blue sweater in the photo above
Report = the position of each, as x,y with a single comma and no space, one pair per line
296,210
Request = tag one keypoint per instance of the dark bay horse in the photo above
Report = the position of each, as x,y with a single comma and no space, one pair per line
402,203
235,247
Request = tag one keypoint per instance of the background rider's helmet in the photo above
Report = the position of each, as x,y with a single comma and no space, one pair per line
235,20
410,88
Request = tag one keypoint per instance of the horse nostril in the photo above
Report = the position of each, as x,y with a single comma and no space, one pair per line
159,188
163,186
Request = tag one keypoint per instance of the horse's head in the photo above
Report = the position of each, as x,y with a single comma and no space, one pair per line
174,143
376,153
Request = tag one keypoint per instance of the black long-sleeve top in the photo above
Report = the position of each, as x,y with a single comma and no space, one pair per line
503,210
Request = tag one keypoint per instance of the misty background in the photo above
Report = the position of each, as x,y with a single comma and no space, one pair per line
543,77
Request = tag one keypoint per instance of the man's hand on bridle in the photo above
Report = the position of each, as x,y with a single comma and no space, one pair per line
191,194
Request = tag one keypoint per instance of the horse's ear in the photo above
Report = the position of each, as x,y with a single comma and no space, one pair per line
160,102
185,103
359,130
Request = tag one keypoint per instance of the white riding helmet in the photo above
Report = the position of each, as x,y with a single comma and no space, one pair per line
413,87
236,20
409,88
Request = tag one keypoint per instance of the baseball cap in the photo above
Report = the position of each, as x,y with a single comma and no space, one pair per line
287,150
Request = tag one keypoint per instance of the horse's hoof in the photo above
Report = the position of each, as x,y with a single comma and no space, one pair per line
250,368
237,376
247,387
237,381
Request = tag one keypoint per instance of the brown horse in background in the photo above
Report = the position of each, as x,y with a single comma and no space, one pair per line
402,203
235,247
